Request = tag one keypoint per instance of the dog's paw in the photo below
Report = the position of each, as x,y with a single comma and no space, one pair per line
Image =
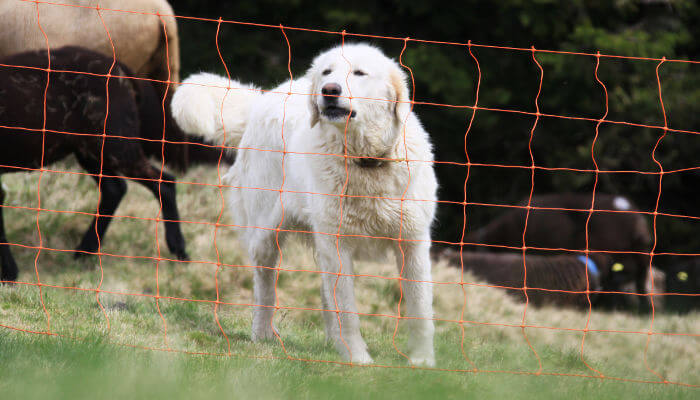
427,360
354,350
362,357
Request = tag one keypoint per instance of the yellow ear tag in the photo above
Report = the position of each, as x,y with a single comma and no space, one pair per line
617,267
682,276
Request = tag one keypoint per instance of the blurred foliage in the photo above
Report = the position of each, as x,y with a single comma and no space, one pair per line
447,74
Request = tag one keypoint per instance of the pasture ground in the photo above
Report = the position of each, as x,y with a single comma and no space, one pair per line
88,358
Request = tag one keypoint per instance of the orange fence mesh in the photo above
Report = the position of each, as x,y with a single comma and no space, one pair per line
524,326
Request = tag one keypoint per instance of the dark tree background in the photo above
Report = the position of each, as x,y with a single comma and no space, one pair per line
446,74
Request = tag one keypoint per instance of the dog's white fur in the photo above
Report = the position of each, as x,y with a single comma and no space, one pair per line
288,142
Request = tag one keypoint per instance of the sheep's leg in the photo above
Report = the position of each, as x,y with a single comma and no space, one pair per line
112,191
337,293
7,262
137,166
417,290
164,191
644,305
173,235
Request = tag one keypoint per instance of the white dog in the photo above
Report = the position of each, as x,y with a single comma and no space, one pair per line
291,172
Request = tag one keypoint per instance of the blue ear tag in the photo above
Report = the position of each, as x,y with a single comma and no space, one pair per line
592,267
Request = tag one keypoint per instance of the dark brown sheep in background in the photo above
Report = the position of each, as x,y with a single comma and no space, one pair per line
139,41
554,272
614,231
77,103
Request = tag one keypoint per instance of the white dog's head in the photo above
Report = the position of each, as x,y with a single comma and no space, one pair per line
359,81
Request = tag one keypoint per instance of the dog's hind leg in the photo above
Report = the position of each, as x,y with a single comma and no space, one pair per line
338,298
414,266
7,262
264,255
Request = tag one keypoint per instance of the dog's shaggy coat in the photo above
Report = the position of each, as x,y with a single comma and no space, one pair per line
332,153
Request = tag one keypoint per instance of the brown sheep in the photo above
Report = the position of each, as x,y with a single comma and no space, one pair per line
139,43
138,39
79,103
562,229
554,272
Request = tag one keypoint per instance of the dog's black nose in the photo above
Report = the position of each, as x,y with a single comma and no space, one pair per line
331,89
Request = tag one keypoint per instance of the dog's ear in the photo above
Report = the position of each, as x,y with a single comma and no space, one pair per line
313,107
402,106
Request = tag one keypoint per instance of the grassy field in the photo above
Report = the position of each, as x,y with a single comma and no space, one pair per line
87,358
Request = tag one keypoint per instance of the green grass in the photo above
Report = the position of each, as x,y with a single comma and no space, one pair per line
46,367
87,358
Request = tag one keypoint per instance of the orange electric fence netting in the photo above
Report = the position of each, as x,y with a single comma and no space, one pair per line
525,328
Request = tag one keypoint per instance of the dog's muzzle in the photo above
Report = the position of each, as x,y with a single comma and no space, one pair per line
330,108
333,112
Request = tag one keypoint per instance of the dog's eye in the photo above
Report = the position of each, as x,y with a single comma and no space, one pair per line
326,71
359,72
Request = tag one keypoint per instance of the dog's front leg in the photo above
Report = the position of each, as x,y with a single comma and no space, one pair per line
338,297
265,257
418,300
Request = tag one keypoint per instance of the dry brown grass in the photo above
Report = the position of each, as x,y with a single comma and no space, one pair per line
135,320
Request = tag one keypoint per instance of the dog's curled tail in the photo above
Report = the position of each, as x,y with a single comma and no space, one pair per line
204,105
